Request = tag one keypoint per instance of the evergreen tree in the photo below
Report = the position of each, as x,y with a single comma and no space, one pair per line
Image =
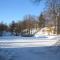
41,21
12,27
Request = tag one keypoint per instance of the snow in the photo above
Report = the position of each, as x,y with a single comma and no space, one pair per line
30,53
44,32
18,41
40,37
29,49
39,47
26,43
6,33
31,31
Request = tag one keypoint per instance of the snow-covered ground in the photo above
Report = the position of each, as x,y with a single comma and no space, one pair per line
40,37
18,41
19,48
27,43
39,47
45,31
30,53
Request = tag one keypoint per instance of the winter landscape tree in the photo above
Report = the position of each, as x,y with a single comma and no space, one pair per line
28,23
12,27
53,8
41,21
3,27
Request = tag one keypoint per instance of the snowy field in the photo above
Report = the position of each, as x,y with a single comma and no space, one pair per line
40,37
26,43
30,53
17,42
21,48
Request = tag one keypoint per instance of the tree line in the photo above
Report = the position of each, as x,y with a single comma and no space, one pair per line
52,12
22,27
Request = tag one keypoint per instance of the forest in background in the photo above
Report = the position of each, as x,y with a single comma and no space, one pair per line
48,18
25,26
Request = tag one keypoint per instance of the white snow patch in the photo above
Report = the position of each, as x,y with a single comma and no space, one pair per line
26,43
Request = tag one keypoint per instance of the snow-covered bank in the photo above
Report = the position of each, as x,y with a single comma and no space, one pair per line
45,31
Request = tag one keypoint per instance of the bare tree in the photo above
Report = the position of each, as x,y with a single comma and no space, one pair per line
29,23
3,27
53,8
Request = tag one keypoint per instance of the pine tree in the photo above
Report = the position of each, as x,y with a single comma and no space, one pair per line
12,27
41,21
